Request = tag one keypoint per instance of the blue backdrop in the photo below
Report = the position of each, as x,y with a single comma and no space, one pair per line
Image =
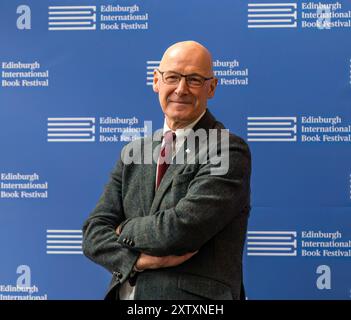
76,74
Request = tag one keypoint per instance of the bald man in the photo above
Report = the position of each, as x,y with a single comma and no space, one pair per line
173,230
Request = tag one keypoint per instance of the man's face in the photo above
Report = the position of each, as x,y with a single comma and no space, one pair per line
180,103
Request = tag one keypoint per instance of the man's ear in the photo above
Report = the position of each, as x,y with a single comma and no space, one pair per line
212,88
155,82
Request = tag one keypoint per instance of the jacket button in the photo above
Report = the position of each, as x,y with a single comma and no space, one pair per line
132,243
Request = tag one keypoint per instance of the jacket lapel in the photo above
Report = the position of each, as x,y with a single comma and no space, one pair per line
167,179
148,177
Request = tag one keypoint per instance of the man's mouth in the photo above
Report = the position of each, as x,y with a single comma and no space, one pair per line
180,102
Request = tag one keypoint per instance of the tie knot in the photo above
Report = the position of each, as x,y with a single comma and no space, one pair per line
169,137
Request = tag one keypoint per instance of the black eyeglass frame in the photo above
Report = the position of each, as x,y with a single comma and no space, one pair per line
185,76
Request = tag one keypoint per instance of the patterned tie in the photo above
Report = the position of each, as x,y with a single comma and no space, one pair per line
165,157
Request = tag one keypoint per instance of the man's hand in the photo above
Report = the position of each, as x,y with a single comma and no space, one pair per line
118,230
152,262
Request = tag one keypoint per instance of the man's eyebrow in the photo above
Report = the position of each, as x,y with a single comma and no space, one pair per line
190,74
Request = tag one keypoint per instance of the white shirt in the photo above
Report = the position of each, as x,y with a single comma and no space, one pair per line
126,291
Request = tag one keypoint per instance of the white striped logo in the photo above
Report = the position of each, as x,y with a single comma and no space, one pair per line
72,18
271,243
272,15
71,130
64,241
150,67
271,129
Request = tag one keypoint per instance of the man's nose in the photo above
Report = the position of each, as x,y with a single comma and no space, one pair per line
182,87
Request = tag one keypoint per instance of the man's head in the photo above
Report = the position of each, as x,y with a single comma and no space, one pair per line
183,102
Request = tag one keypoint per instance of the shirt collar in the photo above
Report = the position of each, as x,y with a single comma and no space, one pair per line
182,132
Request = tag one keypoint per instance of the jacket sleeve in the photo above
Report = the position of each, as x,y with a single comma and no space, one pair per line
211,202
99,231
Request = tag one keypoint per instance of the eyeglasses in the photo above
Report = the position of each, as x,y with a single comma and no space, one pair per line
192,80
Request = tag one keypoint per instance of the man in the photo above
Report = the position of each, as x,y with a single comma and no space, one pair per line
176,231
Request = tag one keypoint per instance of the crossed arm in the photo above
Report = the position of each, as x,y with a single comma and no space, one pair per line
100,240
168,237
146,261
